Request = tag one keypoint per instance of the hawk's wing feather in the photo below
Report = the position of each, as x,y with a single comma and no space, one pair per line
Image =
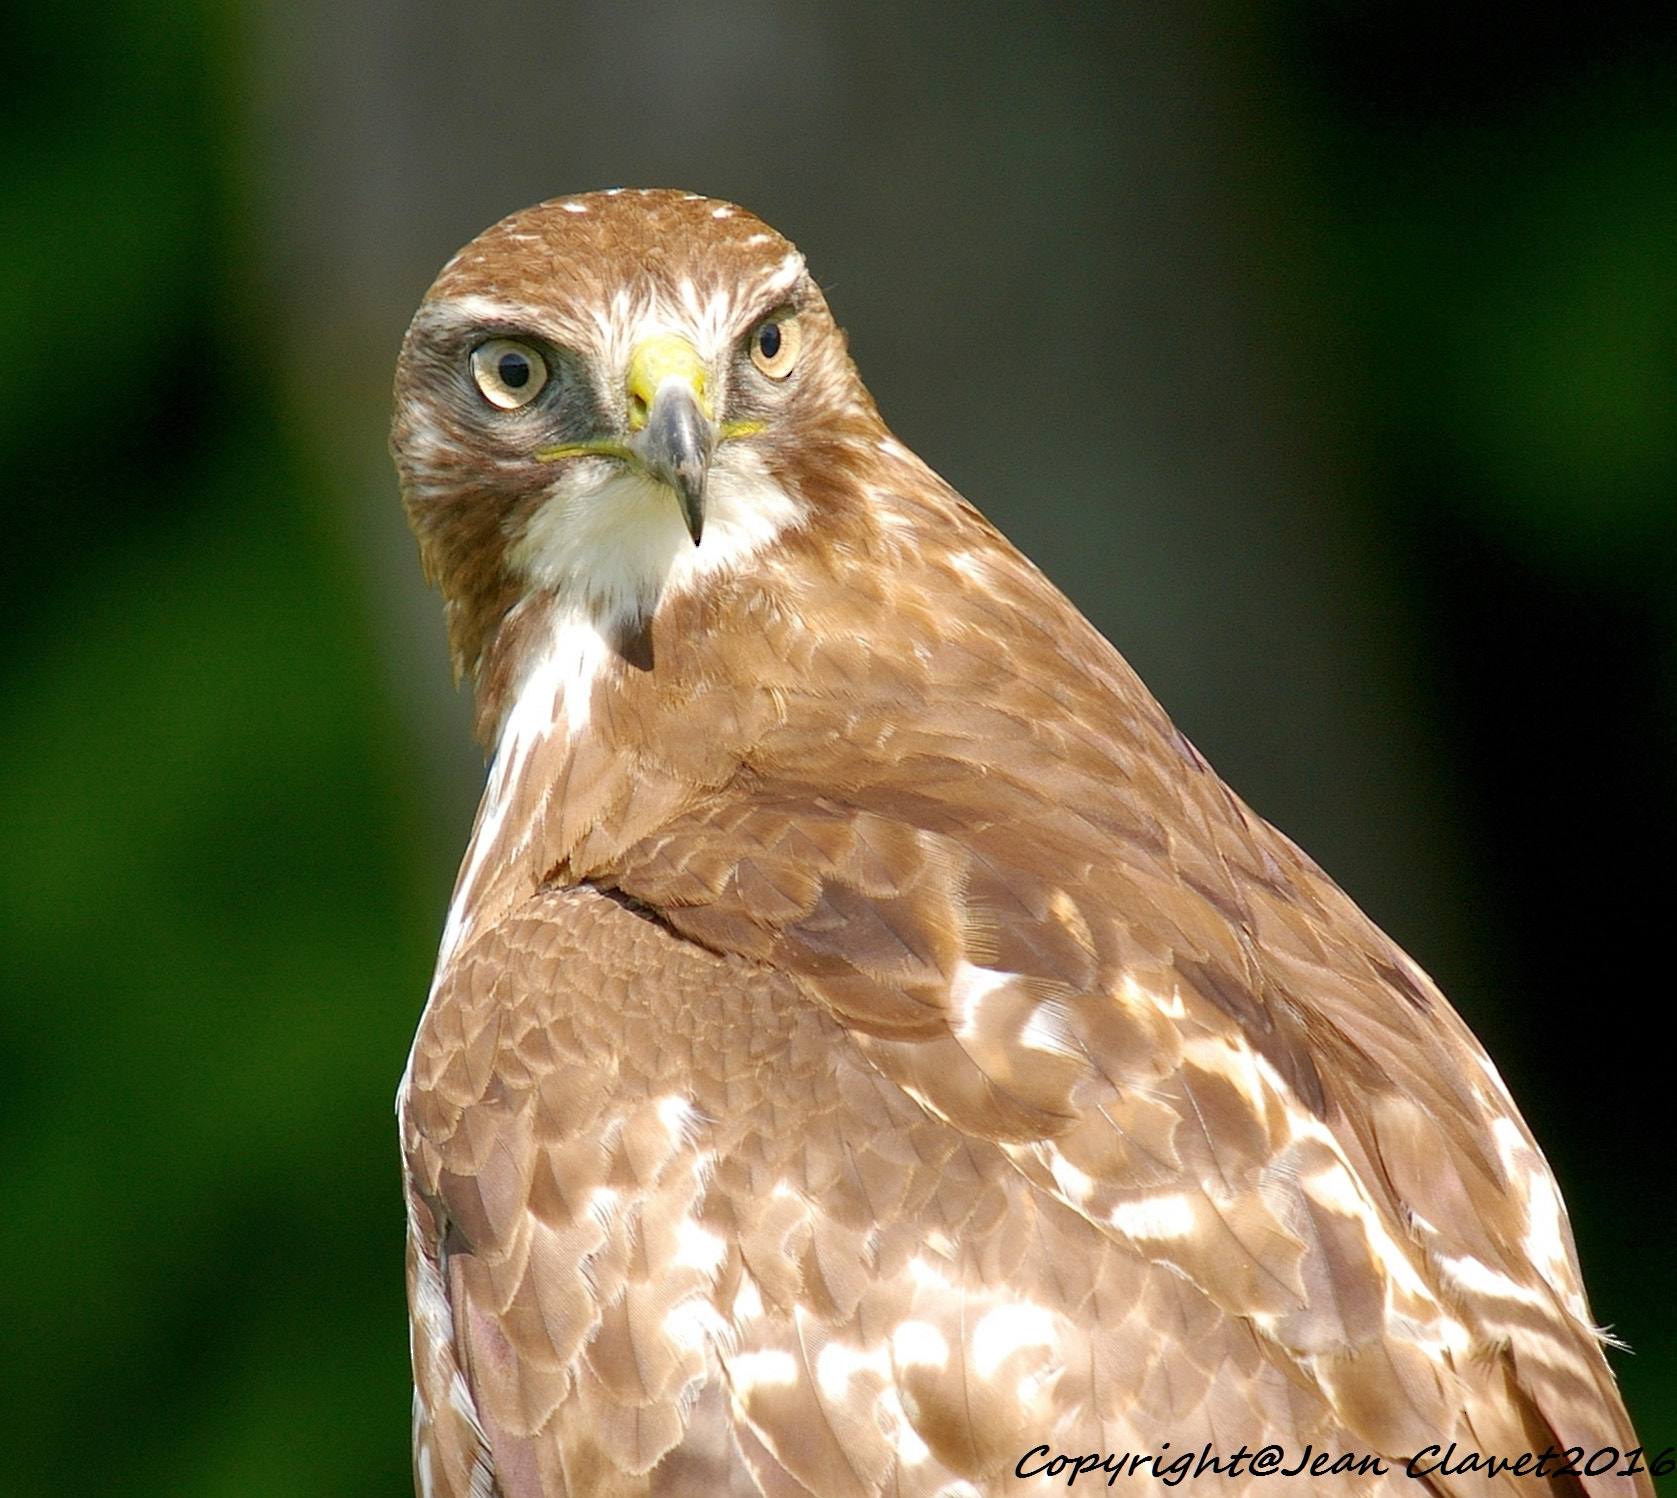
640,1182
1162,1028
643,1173
644,1192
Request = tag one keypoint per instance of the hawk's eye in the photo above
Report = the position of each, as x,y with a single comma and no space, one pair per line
509,374
774,346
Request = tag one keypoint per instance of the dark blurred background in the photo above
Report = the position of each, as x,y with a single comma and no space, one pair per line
1326,353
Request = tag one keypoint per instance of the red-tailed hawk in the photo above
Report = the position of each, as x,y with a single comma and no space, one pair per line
870,1051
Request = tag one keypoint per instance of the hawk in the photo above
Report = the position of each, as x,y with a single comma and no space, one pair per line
870,1051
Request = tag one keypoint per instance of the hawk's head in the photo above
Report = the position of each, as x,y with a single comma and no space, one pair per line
607,399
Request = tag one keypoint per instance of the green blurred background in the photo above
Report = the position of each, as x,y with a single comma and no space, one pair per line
1326,353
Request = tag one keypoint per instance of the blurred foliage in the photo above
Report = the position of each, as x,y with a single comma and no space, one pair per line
1490,276
211,945
1518,286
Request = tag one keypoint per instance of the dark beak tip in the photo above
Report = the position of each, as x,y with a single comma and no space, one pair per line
692,510
676,448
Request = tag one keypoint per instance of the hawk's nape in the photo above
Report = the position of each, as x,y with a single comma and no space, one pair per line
870,1051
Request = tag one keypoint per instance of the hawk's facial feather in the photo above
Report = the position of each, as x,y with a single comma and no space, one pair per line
611,541
679,393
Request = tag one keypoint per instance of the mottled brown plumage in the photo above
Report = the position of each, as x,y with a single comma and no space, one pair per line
869,1042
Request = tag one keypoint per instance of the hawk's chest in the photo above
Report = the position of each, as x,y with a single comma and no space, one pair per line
542,734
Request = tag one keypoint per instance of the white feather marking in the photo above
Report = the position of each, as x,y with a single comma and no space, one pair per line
575,655
1545,1236
911,1450
678,1116
1557,1351
926,1275
696,1248
460,1398
556,689
433,1327
1009,1329
694,1324
1412,1311
570,205
919,1344
1049,1031
427,442
1440,1337
1477,1276
1168,1004
768,1369
1510,1145
1338,1190
837,1366
1154,1217
748,1300
1075,1185
791,267
474,307
967,991
1235,1062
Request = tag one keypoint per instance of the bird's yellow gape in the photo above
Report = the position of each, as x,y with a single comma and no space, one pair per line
672,425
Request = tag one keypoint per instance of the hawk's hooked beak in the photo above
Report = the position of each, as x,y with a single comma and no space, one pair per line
672,430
